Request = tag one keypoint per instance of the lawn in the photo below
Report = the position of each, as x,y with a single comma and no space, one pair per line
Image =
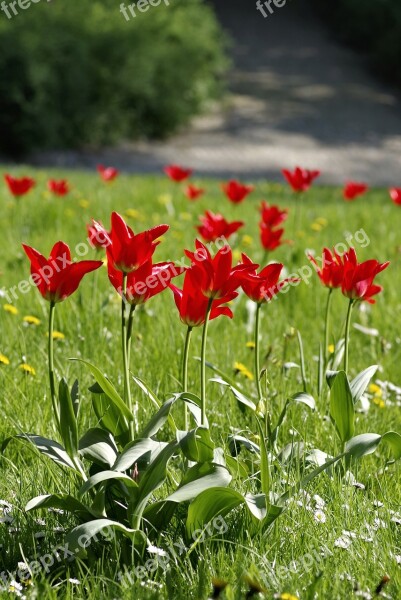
305,554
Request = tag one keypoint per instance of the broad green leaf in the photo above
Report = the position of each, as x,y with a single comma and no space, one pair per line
264,462
199,478
159,419
360,383
108,389
342,409
197,445
239,396
49,448
154,399
393,440
256,505
98,446
62,502
209,505
363,444
109,415
68,420
75,397
82,536
135,450
304,398
104,476
234,441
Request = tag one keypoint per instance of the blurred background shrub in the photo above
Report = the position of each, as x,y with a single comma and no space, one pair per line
75,73
372,26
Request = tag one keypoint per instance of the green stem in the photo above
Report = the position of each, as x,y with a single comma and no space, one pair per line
185,373
347,334
124,336
327,326
257,353
51,365
129,331
203,362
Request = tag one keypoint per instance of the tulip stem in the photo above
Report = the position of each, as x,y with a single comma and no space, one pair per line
203,362
185,373
124,335
347,334
257,355
327,326
51,364
129,331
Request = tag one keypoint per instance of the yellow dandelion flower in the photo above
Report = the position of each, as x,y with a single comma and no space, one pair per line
331,348
301,234
316,227
46,195
27,369
379,402
247,240
186,216
375,389
31,320
57,335
4,360
241,368
164,199
84,203
10,308
132,213
322,221
236,255
250,345
287,596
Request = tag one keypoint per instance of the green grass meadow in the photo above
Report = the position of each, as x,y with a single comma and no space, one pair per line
89,321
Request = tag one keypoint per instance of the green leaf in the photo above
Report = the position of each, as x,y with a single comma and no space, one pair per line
135,450
264,462
159,419
197,445
209,505
68,420
108,389
239,396
304,398
81,537
75,397
238,440
49,448
256,505
342,409
62,502
363,444
109,415
104,476
199,478
393,440
360,383
98,446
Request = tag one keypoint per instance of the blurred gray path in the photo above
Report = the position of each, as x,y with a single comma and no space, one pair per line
297,97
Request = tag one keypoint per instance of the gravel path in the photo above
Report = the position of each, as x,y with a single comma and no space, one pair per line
297,97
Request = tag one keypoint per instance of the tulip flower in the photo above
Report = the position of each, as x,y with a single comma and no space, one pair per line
193,193
129,251
272,216
107,174
215,226
235,191
177,173
352,190
19,186
261,288
271,238
98,237
358,285
395,195
59,188
300,180
57,278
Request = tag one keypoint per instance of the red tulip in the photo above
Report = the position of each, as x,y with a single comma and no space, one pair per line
144,283
59,188
214,277
58,277
331,269
107,173
215,226
300,179
128,251
358,280
98,237
272,216
262,287
177,173
235,191
192,304
193,193
271,238
352,190
19,186
395,195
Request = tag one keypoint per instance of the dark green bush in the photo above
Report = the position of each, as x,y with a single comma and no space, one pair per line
372,26
75,73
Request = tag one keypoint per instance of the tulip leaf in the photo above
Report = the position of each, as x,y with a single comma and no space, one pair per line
209,505
360,383
362,445
393,440
159,419
98,446
49,448
342,409
68,420
106,476
80,537
136,450
199,478
63,502
197,445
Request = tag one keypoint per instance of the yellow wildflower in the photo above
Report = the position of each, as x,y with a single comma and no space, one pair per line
316,227
84,203
165,199
287,596
250,345
331,348
27,369
247,240
4,360
322,221
10,308
379,402
375,389
57,335
236,255
241,368
185,216
132,213
31,320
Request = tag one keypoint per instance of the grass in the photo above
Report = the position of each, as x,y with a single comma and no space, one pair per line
89,322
